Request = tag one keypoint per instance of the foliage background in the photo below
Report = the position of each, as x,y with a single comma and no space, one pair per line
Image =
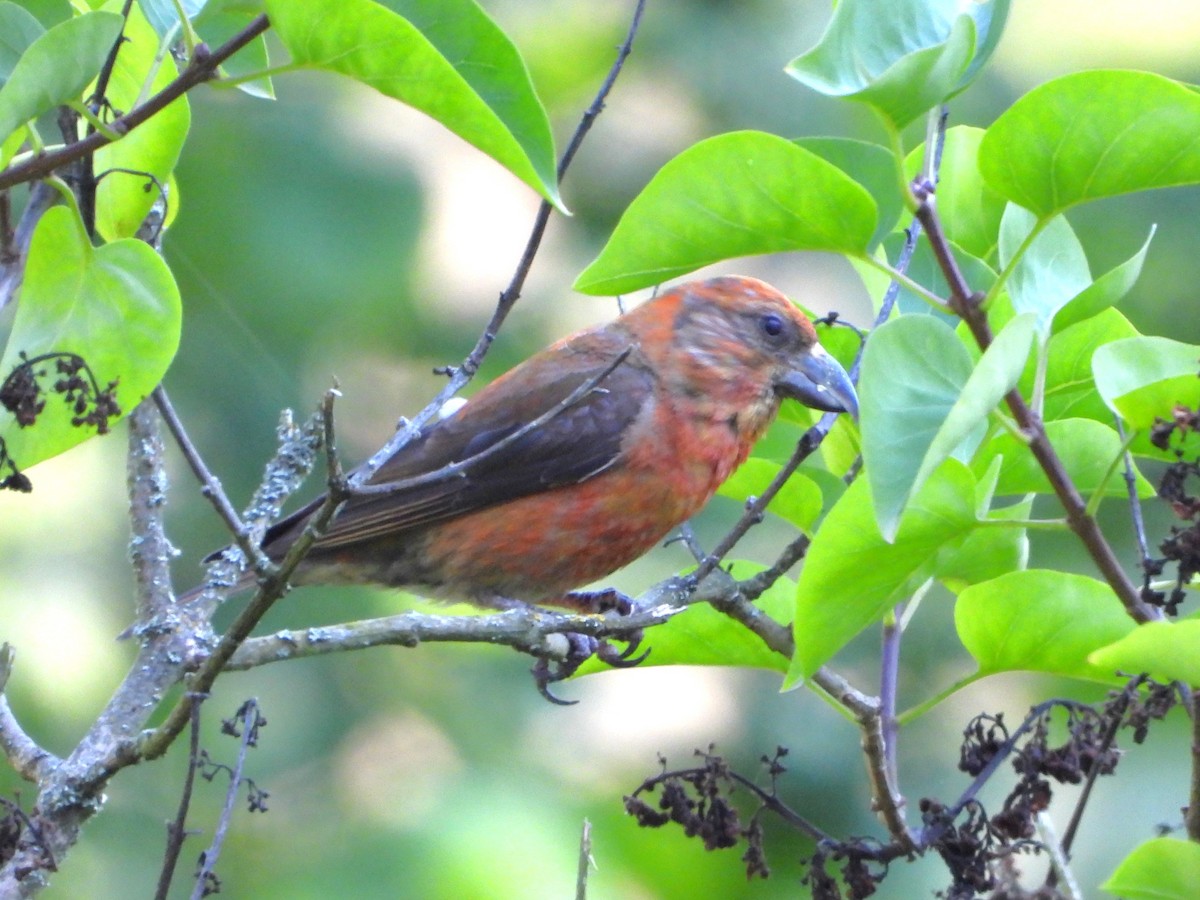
337,234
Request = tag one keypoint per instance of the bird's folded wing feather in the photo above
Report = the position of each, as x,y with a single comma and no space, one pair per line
575,443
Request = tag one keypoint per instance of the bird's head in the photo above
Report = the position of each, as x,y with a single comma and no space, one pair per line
740,336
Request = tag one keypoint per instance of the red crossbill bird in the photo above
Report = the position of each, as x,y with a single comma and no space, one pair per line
654,411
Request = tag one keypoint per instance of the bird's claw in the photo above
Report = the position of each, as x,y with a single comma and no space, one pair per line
581,648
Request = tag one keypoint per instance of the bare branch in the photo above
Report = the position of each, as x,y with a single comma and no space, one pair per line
177,828
527,629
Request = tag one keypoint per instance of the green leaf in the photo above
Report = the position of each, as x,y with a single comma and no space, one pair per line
117,306
1085,446
48,12
798,501
1091,135
923,268
1143,378
1052,270
1106,291
987,552
736,194
1162,868
123,199
219,22
1040,620
871,166
443,57
701,636
163,16
1070,388
852,576
1167,651
969,209
902,59
922,401
56,68
18,29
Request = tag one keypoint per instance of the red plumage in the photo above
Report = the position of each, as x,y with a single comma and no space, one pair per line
599,483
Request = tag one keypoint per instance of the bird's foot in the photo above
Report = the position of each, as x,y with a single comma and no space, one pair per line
580,648
597,602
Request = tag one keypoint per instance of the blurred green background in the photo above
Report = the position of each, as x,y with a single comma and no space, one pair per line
335,234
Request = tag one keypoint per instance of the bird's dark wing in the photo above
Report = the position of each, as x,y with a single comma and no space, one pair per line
576,443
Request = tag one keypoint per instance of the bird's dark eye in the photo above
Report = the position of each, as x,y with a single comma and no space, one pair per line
772,325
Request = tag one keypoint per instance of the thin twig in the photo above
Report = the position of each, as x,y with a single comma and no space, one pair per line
462,374
1116,713
1135,504
250,720
177,828
585,861
272,586
210,486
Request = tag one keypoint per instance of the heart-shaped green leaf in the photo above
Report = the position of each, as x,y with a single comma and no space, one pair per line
116,306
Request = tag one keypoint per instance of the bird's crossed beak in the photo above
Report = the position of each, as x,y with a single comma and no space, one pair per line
819,381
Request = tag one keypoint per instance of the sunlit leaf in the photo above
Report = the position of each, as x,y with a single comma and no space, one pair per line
443,57
116,306
134,169
1162,868
736,194
1167,651
798,501
1091,135
1143,378
1040,620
